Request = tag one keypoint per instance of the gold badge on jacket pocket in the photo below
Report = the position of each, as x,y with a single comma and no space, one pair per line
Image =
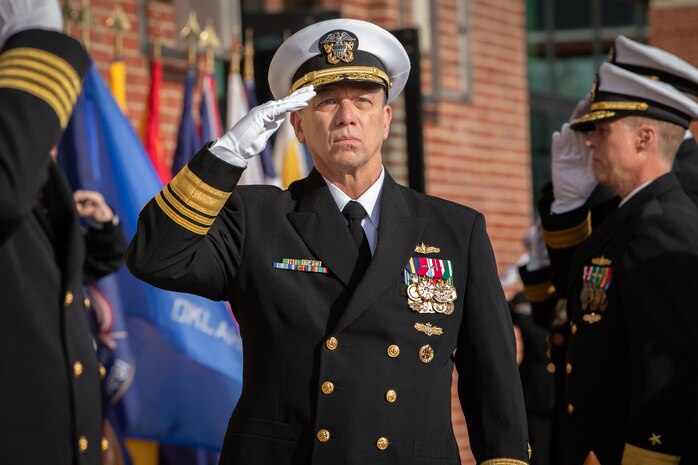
430,285
301,264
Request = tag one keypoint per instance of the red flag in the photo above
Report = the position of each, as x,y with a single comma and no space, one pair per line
152,130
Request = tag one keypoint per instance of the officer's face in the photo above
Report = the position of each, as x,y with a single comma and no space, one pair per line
344,126
615,156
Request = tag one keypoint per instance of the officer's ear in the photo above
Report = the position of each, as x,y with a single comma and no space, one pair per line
296,123
646,136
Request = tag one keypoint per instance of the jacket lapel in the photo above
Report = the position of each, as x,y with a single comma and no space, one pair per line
322,227
398,234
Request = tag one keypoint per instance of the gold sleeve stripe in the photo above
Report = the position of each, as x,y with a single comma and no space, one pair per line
198,195
503,462
568,237
539,292
184,210
41,93
44,75
50,59
633,455
188,225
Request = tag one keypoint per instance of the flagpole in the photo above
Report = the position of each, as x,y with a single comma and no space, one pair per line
120,23
248,64
69,16
85,21
191,32
210,42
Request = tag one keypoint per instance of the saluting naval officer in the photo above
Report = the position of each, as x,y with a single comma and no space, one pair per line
631,375
355,296
50,405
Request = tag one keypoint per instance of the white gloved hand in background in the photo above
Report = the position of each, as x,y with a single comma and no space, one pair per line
249,136
21,15
572,170
537,251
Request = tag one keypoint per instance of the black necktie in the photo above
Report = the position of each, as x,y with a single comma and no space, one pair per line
354,213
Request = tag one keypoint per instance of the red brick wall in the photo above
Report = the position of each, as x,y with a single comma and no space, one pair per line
673,28
476,151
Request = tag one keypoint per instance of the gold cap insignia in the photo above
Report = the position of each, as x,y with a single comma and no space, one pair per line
426,249
428,329
601,261
339,45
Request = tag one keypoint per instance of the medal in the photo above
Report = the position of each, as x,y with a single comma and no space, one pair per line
596,280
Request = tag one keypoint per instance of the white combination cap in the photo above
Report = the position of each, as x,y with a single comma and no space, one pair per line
655,63
618,93
337,50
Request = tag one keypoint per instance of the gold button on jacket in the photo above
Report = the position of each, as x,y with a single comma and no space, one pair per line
382,443
331,343
393,351
327,387
323,435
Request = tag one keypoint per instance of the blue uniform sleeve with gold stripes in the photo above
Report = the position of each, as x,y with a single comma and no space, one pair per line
186,241
40,79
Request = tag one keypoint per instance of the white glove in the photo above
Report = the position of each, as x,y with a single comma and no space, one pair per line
583,107
573,171
20,15
249,136
538,252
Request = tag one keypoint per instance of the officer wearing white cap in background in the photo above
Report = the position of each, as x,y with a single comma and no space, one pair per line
575,185
356,296
631,369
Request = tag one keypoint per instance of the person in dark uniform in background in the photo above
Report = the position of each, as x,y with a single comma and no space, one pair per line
549,283
356,297
631,371
50,410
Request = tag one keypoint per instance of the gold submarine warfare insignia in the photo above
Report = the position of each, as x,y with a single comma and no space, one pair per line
426,249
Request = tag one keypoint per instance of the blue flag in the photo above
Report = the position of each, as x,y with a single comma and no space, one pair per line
188,141
265,155
187,349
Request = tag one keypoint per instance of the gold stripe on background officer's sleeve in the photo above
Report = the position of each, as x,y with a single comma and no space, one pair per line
190,202
44,75
503,462
539,292
568,237
633,455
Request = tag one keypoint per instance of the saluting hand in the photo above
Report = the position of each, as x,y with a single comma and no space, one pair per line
572,170
249,135
91,204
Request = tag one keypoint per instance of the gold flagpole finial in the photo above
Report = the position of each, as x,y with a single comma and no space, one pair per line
235,51
210,42
191,32
70,15
85,20
248,66
120,23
